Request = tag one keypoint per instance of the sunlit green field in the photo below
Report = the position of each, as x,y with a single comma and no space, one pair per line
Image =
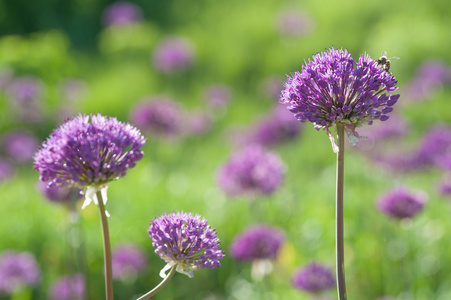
236,43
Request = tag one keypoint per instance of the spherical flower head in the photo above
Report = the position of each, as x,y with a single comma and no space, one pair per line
122,13
18,269
186,241
254,171
19,145
333,88
173,54
128,260
313,278
402,203
68,287
89,151
257,242
160,116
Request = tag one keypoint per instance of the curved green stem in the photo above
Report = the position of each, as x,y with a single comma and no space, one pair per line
341,286
106,248
160,285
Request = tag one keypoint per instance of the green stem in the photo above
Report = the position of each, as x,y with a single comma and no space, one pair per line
106,249
341,286
160,285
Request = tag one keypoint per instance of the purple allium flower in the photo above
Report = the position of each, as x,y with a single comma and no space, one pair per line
333,88
17,269
128,260
6,169
257,242
19,145
69,287
185,240
60,194
402,203
173,54
313,278
217,95
294,23
89,151
159,116
122,13
25,93
278,127
253,171
435,147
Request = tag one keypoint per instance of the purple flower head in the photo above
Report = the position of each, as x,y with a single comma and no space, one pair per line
402,203
122,13
128,260
333,88
89,151
217,95
435,147
19,145
431,75
17,269
60,194
197,123
257,242
185,240
253,171
313,278
68,287
294,23
6,169
173,54
276,128
159,116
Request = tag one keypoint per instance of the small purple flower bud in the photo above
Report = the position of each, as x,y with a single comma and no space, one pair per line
313,278
257,242
186,241
402,203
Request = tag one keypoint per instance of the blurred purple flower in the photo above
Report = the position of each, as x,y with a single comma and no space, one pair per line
122,13
25,93
69,287
333,88
72,89
257,242
313,278
271,86
173,54
444,186
60,194
6,169
19,145
17,270
435,147
197,123
253,171
159,116
294,23
278,127
430,76
402,203
128,260
186,241
217,95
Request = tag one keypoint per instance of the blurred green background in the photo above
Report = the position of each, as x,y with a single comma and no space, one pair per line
237,43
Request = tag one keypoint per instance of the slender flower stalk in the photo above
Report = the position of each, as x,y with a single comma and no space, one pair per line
106,249
339,227
334,90
160,285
